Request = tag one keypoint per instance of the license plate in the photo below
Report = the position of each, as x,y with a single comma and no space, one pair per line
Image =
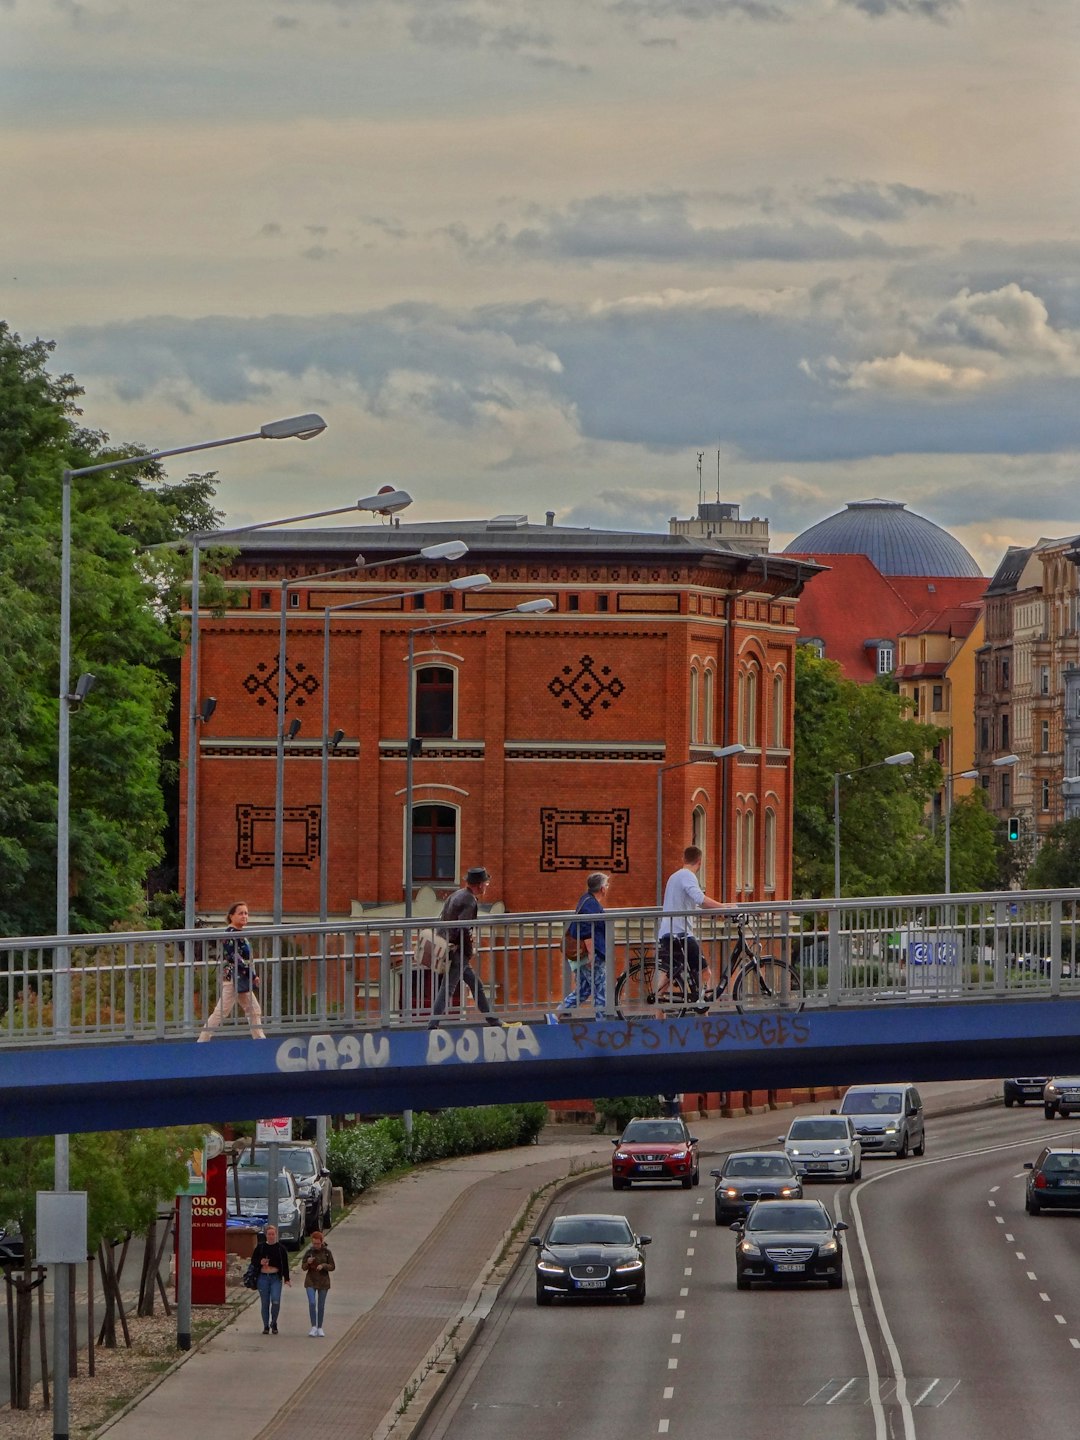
788,1267
650,1167
1070,1182
818,1165
597,1284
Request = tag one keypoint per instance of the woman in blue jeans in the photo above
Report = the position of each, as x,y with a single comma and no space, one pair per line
271,1261
316,1265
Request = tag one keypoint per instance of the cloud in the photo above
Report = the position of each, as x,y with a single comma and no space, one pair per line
271,229
937,10
900,374
868,200
318,252
1010,323
701,10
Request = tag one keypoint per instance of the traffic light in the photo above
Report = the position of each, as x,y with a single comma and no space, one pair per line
1014,827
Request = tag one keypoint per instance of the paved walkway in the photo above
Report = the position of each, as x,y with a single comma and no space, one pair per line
419,1263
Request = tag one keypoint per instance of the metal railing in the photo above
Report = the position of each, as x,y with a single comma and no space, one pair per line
368,973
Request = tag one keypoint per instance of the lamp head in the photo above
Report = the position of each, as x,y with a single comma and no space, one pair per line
535,607
968,775
292,729
470,582
725,750
905,757
299,427
207,708
336,739
445,550
387,502
83,686
1004,760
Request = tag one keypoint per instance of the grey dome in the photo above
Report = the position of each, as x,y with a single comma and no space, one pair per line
896,540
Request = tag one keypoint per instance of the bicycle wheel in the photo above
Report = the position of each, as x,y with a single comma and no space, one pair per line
768,984
635,988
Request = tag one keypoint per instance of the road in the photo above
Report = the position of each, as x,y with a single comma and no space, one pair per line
959,1320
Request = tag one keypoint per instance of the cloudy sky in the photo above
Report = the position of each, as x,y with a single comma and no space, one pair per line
537,254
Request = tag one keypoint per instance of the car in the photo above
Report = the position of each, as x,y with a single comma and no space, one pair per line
824,1147
11,1245
747,1176
247,1203
590,1255
1061,1096
1053,1181
1023,1089
312,1179
789,1240
888,1118
655,1149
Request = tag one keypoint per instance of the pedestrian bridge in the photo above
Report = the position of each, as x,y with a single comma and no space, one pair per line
99,1032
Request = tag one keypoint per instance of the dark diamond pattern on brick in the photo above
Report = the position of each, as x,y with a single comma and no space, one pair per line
586,687
559,850
261,684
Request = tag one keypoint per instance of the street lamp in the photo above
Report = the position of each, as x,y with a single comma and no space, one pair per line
905,757
719,754
527,607
462,582
299,427
998,764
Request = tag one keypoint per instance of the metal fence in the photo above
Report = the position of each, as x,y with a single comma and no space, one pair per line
371,974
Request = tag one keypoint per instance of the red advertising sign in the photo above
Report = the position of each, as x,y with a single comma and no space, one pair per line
208,1236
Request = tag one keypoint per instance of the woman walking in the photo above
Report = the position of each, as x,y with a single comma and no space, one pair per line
238,978
316,1265
271,1261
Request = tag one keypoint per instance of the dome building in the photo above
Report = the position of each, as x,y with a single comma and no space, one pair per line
892,537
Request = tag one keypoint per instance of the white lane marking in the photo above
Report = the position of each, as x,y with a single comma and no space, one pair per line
684,1291
662,1428
1020,1255
680,1314
689,1250
676,1339
922,1396
1074,1343
689,1270
1031,1275
994,1189
1043,1295
669,1392
673,1364
693,1233
1000,1219
1060,1319
992,1204
1009,1238
843,1388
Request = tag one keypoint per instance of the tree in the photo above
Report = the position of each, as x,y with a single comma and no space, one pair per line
1057,865
124,602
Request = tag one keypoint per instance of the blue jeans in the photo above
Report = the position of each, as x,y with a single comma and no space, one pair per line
591,983
316,1304
270,1298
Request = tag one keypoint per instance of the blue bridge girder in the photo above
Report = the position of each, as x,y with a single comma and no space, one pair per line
72,1089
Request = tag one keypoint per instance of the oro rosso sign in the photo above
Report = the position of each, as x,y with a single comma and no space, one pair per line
208,1237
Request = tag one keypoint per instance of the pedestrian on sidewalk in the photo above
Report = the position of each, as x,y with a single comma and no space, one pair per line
316,1265
678,954
463,904
239,980
271,1261
585,947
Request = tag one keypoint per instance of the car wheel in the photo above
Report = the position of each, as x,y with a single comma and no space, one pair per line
902,1153
1009,1102
697,1177
638,1296
1021,1100
836,1282
719,1217
687,1181
1048,1111
920,1149
741,1282
1031,1207
1065,1114
542,1297
328,1217
618,1183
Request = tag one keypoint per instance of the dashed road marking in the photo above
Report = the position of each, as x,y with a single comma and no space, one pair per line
1000,1219
1060,1319
680,1314
689,1270
1074,1343
1031,1274
676,1339
684,1291
1009,1238
669,1392
672,1364
1043,1295
690,1250
1020,1255
662,1428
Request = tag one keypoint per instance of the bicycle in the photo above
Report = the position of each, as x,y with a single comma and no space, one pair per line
758,982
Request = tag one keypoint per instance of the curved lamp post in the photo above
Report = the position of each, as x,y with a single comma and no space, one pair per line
719,754
998,764
904,757
527,607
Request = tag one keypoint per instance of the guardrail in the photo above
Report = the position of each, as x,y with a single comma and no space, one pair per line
361,974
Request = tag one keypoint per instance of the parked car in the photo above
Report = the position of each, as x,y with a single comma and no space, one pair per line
823,1147
1020,1091
789,1240
311,1175
655,1150
748,1176
253,1206
1061,1096
590,1255
11,1245
1053,1181
888,1118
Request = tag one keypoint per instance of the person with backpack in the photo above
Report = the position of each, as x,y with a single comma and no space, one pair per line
585,948
463,904
239,982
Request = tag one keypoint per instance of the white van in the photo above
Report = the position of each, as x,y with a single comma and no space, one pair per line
888,1118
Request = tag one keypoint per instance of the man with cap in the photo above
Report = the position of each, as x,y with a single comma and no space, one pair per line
463,904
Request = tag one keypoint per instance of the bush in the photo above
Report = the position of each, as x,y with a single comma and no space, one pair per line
618,1112
360,1156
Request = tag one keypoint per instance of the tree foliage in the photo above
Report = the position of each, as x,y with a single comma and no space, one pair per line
1057,865
123,630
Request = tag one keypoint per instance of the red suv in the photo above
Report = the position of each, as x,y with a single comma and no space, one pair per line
655,1150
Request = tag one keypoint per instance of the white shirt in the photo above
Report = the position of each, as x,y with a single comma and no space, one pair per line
682,893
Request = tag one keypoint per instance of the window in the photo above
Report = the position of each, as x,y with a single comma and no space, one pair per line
697,834
294,599
749,708
602,602
435,702
939,697
748,851
1005,674
885,660
1044,736
770,849
984,733
419,602
984,677
1004,732
1044,795
448,601
708,702
573,602
1044,680
695,707
265,599
778,710
434,843
738,853
1006,790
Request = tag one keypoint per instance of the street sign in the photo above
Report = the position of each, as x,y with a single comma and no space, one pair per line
267,1132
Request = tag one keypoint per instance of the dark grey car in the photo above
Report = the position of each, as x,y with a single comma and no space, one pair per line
747,1176
311,1175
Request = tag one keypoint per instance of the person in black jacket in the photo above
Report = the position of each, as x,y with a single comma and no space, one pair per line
271,1261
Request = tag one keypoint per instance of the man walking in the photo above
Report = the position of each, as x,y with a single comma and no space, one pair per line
462,905
678,953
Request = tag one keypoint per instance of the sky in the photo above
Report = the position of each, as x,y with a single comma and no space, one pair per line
530,255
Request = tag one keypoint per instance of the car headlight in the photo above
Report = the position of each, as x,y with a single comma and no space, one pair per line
830,1247
628,1265
891,1129
732,1194
621,1155
840,1150
549,1267
788,1191
1051,1086
678,1155
747,1247
795,1150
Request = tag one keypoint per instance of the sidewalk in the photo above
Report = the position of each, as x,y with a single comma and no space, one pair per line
419,1263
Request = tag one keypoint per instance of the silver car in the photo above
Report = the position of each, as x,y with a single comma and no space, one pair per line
888,1118
824,1147
247,1202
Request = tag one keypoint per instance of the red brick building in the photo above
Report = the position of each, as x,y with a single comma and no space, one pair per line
542,735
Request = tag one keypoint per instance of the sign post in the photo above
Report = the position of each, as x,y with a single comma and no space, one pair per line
273,1133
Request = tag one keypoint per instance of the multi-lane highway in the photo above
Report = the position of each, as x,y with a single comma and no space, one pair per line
959,1320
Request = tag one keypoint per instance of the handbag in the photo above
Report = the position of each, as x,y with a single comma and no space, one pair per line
251,1277
574,947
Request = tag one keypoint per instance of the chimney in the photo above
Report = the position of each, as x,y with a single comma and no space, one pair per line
550,517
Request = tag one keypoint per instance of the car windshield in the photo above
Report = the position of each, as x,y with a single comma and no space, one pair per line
653,1132
300,1163
253,1185
579,1230
758,1165
818,1130
878,1102
773,1216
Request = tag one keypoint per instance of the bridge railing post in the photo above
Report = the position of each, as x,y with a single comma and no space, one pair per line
1055,947
610,968
386,1006
161,983
1001,942
835,981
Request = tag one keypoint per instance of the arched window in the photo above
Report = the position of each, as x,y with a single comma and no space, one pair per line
748,851
697,835
738,852
749,709
710,729
434,844
435,702
778,710
770,849
695,709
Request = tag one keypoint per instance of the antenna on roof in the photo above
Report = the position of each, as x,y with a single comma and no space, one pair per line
718,474
700,492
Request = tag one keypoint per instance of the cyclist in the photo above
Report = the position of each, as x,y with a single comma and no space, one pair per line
678,953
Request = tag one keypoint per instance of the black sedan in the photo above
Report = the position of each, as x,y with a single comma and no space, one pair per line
1021,1089
1053,1181
590,1255
789,1240
747,1176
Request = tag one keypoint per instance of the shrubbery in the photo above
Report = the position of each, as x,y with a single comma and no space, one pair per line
618,1112
360,1156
